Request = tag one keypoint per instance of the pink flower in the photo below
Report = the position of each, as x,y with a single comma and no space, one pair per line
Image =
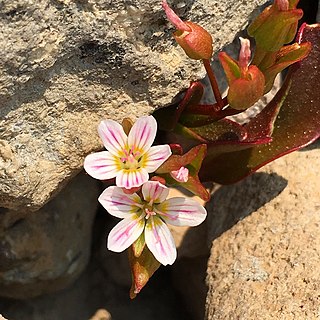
149,214
130,158
181,175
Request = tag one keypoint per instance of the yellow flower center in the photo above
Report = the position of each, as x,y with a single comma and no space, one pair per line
130,160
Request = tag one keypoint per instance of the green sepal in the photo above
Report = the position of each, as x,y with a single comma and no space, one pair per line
142,269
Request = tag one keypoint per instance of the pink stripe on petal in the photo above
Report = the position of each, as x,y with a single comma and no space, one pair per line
118,203
141,176
124,234
112,136
101,165
122,178
155,157
131,178
181,212
160,241
143,133
154,190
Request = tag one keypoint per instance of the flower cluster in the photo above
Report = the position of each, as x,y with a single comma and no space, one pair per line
130,159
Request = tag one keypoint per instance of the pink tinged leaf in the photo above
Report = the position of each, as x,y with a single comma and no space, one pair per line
118,203
101,165
155,157
180,175
182,212
142,133
131,178
125,233
160,241
112,136
154,190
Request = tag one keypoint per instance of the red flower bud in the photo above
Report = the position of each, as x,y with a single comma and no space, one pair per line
246,83
244,92
194,40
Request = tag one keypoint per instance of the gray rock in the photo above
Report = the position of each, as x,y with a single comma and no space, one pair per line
66,64
48,249
266,265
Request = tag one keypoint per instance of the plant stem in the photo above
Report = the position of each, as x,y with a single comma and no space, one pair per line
214,84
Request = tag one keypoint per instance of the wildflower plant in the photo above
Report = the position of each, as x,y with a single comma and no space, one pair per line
223,150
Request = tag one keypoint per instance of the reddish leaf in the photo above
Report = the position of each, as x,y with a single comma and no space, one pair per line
297,124
223,130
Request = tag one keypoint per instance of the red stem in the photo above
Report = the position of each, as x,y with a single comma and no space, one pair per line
214,84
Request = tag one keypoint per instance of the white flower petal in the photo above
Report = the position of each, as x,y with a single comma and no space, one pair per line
118,203
125,233
101,165
160,241
181,212
155,157
154,190
142,133
112,136
131,178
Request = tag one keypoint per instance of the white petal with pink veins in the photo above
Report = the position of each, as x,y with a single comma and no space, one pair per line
155,191
131,178
155,157
112,136
118,203
101,165
142,133
181,212
125,233
160,241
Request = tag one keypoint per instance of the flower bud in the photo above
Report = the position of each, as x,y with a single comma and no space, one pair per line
276,25
244,92
246,83
194,40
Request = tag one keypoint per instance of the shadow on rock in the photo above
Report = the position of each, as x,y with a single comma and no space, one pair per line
246,196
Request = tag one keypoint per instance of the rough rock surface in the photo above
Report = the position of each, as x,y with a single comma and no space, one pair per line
66,64
48,249
267,265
